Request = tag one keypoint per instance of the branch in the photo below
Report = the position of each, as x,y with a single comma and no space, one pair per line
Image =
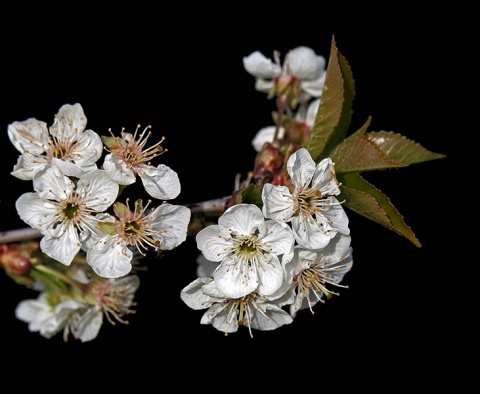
19,235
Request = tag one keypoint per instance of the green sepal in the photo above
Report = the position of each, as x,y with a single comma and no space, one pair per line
109,141
120,209
108,227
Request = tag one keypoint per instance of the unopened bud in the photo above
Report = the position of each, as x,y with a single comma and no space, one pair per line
16,258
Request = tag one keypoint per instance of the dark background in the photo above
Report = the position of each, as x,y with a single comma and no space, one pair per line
408,318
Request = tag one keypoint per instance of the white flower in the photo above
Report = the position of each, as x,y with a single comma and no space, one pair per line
163,228
301,62
266,134
113,300
66,140
248,249
226,314
63,210
311,271
315,214
129,158
44,318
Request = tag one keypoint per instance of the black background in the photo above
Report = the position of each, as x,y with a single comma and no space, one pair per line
408,318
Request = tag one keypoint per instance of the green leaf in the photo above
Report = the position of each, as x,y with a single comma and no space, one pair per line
358,153
335,110
250,195
366,200
399,148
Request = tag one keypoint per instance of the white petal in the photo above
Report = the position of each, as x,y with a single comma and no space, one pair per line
193,295
213,292
314,88
88,149
211,243
160,182
69,123
51,184
30,135
259,66
64,248
324,178
110,258
70,169
275,317
171,224
264,86
279,239
266,134
277,202
28,165
308,234
89,325
37,213
301,167
31,311
305,64
118,171
338,217
40,316
97,190
220,318
270,274
243,219
235,280
337,248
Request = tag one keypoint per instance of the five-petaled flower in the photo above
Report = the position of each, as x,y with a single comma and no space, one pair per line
80,315
249,249
226,314
64,210
128,158
302,73
311,207
310,272
161,228
66,140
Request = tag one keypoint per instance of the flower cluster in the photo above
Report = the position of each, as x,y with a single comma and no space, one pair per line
292,248
83,224
279,244
283,244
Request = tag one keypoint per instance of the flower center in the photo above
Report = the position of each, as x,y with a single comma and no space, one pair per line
70,210
134,227
131,148
247,248
307,202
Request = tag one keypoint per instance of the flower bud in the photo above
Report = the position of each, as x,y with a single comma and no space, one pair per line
16,258
287,89
268,164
